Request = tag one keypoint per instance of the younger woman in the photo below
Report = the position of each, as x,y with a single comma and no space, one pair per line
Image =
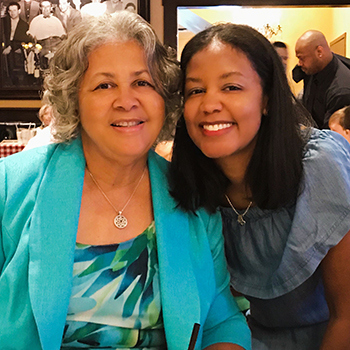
284,193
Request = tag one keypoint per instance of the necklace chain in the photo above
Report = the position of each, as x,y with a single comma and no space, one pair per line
240,218
120,221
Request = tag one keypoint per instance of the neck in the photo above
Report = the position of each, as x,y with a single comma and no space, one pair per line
235,167
111,173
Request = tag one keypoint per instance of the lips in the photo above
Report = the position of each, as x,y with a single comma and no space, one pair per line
216,127
126,124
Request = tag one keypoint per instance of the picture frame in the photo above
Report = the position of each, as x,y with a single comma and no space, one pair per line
23,66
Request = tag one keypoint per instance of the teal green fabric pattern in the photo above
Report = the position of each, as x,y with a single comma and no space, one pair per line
40,196
115,302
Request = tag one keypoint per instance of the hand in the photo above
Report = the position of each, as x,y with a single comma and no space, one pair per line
7,50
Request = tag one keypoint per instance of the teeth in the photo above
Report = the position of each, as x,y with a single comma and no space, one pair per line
126,124
216,127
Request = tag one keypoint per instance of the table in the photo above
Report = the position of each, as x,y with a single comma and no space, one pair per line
8,147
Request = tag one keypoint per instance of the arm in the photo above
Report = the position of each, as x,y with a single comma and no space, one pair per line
225,327
339,99
336,278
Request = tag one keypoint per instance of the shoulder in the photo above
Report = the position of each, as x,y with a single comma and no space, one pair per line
25,164
326,146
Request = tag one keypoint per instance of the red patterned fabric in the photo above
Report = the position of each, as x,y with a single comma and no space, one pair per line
6,149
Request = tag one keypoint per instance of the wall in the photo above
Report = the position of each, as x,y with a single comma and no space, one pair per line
294,22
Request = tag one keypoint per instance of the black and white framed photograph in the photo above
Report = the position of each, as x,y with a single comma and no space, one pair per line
31,31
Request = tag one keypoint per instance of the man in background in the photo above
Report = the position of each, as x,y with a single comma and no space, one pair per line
15,32
326,77
282,51
48,31
69,16
29,10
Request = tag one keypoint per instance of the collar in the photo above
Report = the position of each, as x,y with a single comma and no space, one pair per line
53,226
328,72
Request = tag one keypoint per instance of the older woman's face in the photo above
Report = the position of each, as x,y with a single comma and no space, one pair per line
121,113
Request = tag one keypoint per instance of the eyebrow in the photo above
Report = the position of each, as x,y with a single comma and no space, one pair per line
222,76
111,75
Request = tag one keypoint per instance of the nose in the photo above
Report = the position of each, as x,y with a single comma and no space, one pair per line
125,99
211,103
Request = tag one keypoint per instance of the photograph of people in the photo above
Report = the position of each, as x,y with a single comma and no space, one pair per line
14,32
94,251
243,146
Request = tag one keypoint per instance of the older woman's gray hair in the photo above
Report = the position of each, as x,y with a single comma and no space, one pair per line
70,63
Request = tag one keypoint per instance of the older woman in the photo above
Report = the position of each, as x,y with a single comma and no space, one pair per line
94,252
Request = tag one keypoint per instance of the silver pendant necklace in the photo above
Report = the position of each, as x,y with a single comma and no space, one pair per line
120,221
240,218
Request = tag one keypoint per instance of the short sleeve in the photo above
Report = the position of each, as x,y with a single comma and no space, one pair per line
278,250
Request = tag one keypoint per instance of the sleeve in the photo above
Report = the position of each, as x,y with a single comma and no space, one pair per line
2,206
225,322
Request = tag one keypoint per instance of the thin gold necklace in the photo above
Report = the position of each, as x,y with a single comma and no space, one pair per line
120,221
240,218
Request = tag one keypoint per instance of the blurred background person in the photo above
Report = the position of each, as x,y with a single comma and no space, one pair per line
44,132
29,10
326,77
14,33
114,6
69,16
95,8
282,51
340,122
91,239
48,31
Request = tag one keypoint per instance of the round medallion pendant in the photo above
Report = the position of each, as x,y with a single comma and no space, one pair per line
120,221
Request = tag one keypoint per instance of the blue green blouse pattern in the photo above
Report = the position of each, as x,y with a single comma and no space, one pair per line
115,302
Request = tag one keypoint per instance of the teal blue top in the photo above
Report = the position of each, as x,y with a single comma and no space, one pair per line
115,301
40,195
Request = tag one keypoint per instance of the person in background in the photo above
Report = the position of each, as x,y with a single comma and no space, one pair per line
69,16
44,133
95,8
93,250
48,31
14,33
283,192
282,51
114,6
29,10
326,80
340,122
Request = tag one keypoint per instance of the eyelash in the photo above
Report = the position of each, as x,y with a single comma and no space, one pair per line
103,86
232,88
197,91
140,83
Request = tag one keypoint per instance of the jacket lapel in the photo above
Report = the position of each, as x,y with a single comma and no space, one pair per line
53,227
179,294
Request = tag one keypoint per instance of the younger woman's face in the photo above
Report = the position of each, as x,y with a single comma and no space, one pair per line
224,101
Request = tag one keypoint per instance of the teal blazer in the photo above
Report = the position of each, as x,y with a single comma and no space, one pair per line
40,196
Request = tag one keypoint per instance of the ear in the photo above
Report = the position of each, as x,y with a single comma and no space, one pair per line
319,51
